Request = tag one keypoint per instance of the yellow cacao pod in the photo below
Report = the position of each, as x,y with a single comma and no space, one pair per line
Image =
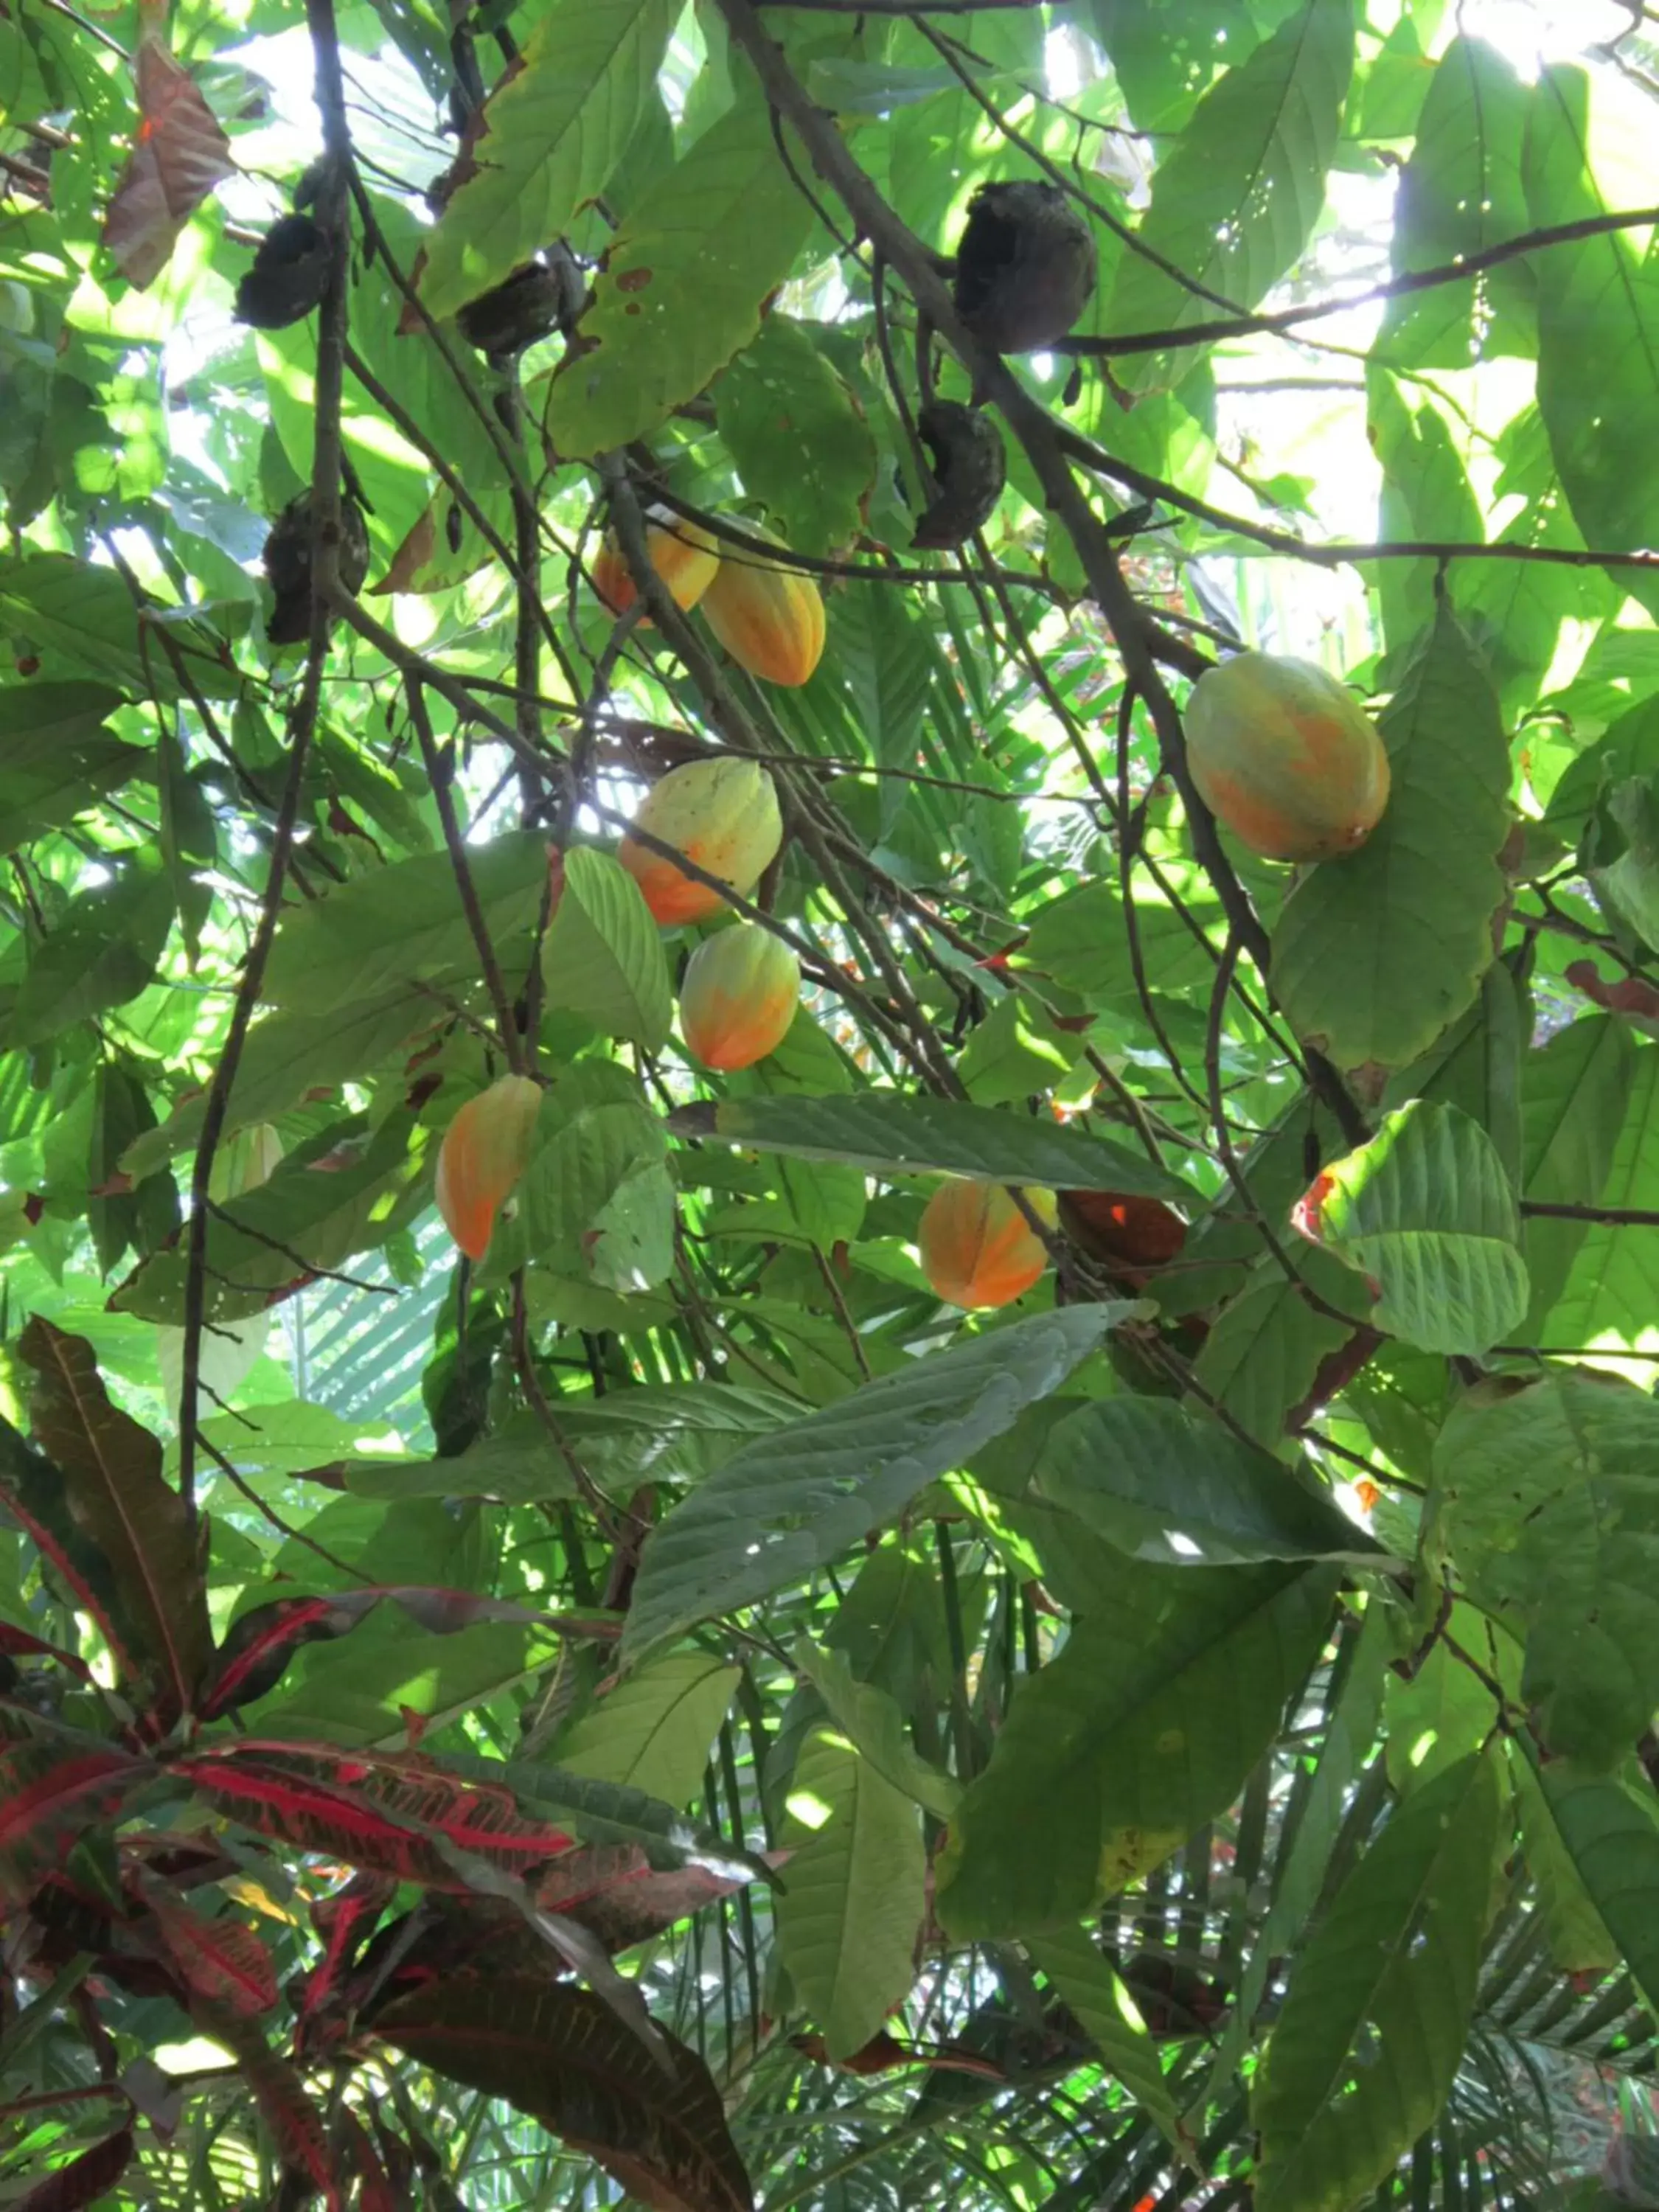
1285,757
484,1152
723,814
770,620
739,996
683,554
977,1248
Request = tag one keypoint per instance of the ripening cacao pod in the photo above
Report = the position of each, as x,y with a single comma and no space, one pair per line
683,554
484,1152
739,996
1285,757
977,1248
1132,1236
770,620
723,814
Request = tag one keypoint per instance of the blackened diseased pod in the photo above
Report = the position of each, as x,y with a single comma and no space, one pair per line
1025,266
969,468
287,557
524,306
289,277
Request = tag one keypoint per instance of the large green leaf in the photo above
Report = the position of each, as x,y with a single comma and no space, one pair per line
852,1901
1263,1358
100,954
1144,1728
1613,1289
401,924
652,1730
873,1725
894,1136
1546,1494
1598,335
1460,193
55,758
1426,1210
603,956
1367,2044
1575,1095
787,1503
1374,955
1235,198
558,127
799,442
1611,1834
1161,1484
684,283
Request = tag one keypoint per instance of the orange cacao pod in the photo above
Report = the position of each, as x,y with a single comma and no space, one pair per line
683,555
483,1153
977,1248
1133,1235
739,996
770,620
1286,758
723,814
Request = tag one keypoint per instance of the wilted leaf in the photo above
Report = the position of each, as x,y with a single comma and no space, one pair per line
179,156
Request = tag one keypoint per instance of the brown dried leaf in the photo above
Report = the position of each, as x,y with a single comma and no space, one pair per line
179,156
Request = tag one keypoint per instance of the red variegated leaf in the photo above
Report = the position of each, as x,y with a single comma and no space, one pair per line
178,156
374,2192
84,2179
294,2123
613,1891
111,1471
49,1797
371,1809
345,1922
220,1959
33,1492
554,2051
18,1643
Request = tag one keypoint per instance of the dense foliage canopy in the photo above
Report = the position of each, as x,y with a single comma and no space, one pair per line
1004,1546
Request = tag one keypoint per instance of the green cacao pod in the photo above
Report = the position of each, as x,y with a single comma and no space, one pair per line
1285,757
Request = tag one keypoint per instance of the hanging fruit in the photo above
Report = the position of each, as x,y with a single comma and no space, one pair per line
977,1248
484,1152
722,814
288,558
683,554
1286,758
739,996
769,619
1134,1236
1025,266
289,277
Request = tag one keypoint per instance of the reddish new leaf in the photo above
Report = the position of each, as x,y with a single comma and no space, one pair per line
84,2179
371,1809
220,1959
614,1891
1629,995
554,2051
343,1921
33,1491
18,1643
111,1471
49,1797
178,156
280,2093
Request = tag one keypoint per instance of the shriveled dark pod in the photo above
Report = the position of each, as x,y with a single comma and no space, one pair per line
969,468
289,277
1025,266
287,561
522,308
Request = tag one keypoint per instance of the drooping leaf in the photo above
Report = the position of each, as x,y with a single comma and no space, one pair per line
1611,1836
1161,1484
1427,1211
1610,1289
852,1903
52,1794
1090,1985
556,128
56,756
790,423
685,281
1375,954
1548,1496
100,955
603,956
179,154
1142,1728
111,1471
872,1722
1392,1965
1577,1090
1235,198
556,2053
220,1958
897,1135
787,1502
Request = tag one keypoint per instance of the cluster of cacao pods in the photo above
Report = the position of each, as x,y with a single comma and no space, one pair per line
769,617
1285,757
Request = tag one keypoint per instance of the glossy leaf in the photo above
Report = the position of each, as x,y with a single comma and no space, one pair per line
603,956
654,1730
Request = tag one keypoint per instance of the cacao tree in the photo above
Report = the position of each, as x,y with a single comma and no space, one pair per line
766,1435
